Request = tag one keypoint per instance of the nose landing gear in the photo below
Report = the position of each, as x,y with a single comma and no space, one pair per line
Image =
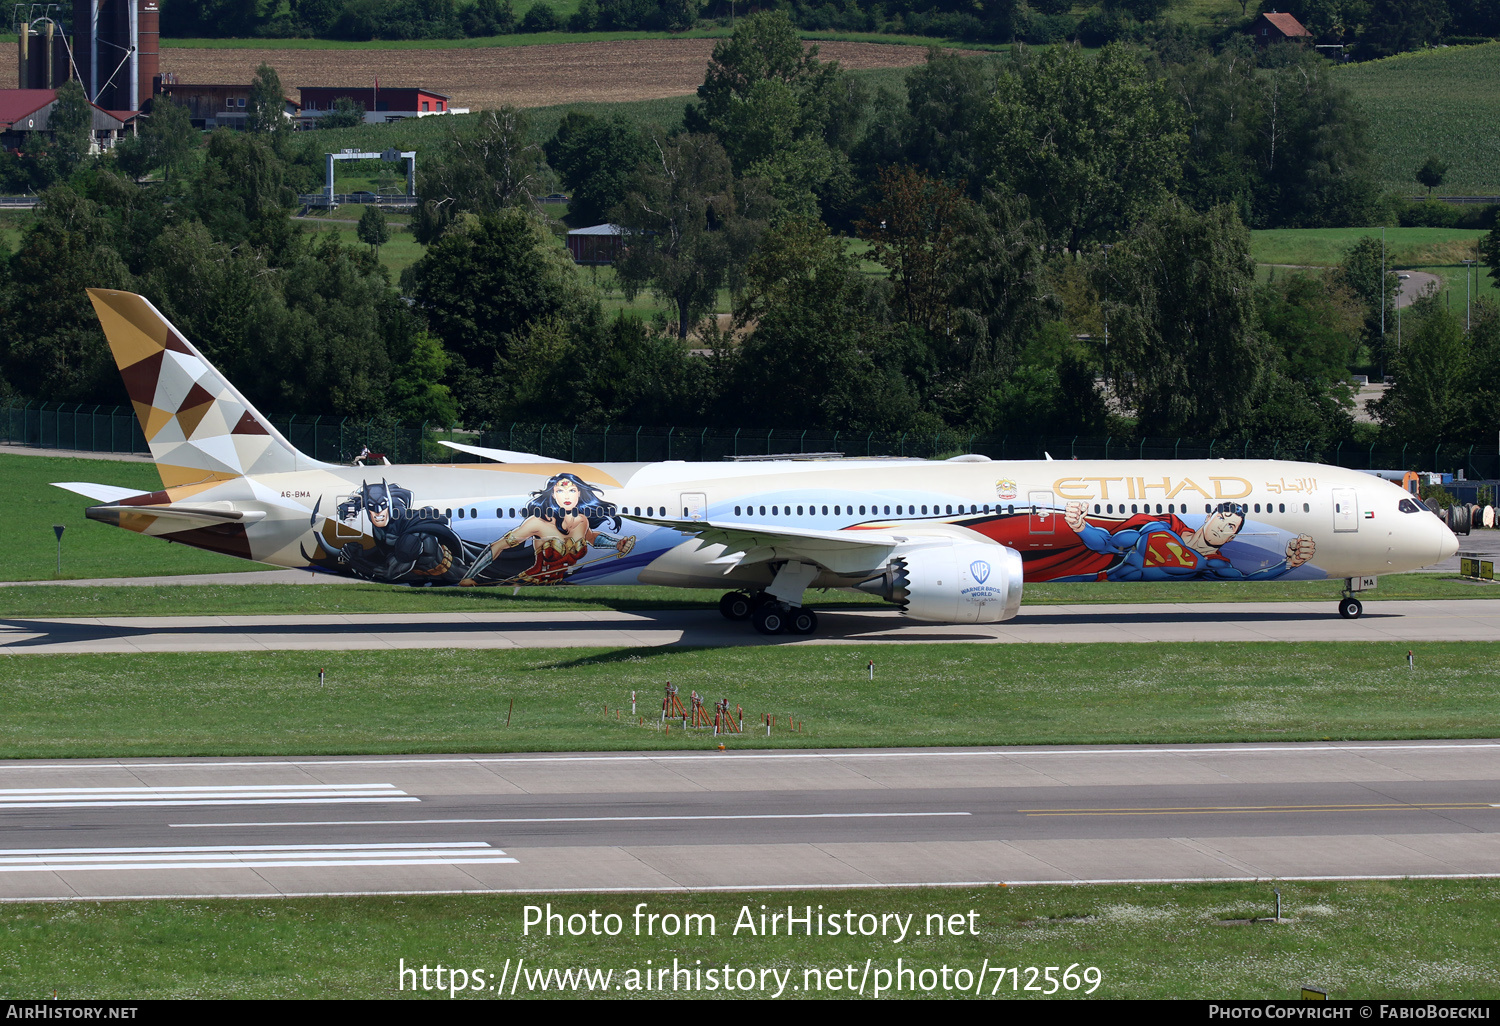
1350,607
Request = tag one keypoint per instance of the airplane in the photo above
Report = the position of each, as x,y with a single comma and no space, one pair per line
947,541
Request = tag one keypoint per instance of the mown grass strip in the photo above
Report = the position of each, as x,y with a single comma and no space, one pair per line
1400,939
271,703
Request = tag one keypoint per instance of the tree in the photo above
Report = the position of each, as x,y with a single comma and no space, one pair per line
596,158
690,226
59,352
372,229
1394,26
1431,174
71,125
481,286
1093,142
166,141
1361,273
913,232
1184,350
778,111
346,112
266,111
418,394
814,356
1428,401
489,166
947,98
1285,144
1491,249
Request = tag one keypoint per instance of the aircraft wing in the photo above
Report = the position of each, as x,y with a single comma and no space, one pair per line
838,551
499,455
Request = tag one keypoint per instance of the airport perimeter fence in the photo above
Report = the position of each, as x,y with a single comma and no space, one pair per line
85,428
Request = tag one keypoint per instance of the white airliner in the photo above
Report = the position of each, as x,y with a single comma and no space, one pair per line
951,541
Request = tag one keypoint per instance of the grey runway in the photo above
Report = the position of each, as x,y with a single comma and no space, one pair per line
1401,621
764,820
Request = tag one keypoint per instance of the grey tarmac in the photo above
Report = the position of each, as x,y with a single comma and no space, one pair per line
661,822
1399,621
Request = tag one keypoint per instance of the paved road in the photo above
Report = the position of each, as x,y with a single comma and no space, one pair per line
1450,620
661,822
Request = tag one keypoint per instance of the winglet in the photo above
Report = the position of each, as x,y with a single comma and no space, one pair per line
200,428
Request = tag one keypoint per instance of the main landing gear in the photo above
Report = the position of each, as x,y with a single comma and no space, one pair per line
767,615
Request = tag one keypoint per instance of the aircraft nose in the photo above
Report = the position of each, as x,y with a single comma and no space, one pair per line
1447,542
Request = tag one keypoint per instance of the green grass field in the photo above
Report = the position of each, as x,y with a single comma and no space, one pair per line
1433,103
1325,247
89,549
407,701
397,255
1397,939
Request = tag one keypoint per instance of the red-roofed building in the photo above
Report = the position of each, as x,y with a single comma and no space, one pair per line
381,103
26,111
1276,28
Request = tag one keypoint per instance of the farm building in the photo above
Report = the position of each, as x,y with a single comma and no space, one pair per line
25,112
381,105
600,244
210,105
1276,28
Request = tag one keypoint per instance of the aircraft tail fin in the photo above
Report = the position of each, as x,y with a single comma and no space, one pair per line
200,429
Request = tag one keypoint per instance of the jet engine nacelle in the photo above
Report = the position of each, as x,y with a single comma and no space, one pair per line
953,583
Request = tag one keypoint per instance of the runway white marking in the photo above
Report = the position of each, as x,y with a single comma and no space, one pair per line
576,819
241,794
252,856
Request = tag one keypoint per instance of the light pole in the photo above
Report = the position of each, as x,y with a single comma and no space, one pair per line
1105,311
1467,321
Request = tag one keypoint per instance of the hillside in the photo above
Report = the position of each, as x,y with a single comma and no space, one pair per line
1443,103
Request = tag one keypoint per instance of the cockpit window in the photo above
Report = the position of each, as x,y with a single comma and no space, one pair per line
1408,506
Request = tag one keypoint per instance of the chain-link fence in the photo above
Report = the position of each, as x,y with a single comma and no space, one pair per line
87,428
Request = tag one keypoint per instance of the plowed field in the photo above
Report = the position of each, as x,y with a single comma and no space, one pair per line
525,76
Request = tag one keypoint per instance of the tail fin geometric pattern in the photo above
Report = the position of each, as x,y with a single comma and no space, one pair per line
200,429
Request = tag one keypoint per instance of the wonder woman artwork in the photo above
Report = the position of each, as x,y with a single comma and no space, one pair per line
562,522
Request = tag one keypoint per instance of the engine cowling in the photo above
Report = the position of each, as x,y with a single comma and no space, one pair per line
953,583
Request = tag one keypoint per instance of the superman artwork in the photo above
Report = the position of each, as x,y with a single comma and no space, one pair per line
1144,547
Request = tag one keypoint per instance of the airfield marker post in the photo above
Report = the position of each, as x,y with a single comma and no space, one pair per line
632,703
872,669
1411,662
321,677
58,530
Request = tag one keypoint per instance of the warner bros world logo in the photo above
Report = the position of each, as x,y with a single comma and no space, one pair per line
980,570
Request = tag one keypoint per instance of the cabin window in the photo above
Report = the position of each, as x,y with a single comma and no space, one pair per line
774,510
460,513
948,508
836,511
650,511
763,511
1283,508
473,512
513,513
1257,507
1133,508
924,509
1306,508
799,511
1096,507
736,511
825,510
1010,510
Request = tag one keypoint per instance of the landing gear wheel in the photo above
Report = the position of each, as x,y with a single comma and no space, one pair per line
802,621
1350,608
736,606
770,618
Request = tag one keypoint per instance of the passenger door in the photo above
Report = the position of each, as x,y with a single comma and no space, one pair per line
1041,518
1345,510
694,505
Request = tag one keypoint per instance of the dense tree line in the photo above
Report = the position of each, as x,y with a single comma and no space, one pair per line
1062,241
1375,28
